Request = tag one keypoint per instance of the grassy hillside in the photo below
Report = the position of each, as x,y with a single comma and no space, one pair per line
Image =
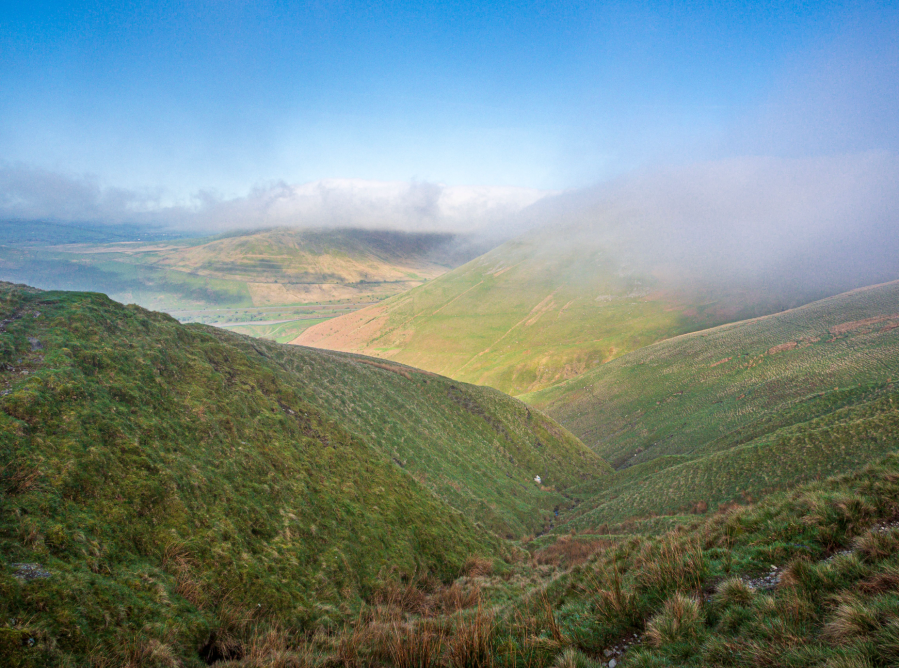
316,256
802,580
473,447
730,414
180,484
535,311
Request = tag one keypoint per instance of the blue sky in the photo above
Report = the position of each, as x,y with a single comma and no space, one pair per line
174,98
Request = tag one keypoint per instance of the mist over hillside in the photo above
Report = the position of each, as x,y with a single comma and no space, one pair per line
29,194
809,225
603,271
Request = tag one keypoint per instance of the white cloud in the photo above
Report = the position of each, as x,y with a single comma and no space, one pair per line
371,204
27,193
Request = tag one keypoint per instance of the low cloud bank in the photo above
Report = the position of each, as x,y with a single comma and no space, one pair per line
821,223
28,193
826,223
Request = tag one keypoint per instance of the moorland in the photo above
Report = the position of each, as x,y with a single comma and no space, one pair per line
692,472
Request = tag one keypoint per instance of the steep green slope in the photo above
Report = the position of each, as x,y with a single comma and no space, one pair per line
474,447
180,482
732,413
536,311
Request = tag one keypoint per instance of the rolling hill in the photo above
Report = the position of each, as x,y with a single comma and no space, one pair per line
732,413
538,310
250,269
284,266
183,482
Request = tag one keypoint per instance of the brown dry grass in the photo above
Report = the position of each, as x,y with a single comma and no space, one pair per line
177,560
273,647
876,545
455,598
569,551
476,567
471,645
851,619
670,564
423,597
385,636
783,347
415,647
888,580
387,367
858,324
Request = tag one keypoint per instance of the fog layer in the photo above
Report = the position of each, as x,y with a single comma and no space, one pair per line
825,223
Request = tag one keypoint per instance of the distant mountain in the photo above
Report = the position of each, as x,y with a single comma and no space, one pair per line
286,266
733,413
261,268
196,477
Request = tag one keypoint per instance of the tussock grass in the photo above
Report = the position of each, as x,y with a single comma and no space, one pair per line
471,645
828,608
877,544
680,621
672,591
733,592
